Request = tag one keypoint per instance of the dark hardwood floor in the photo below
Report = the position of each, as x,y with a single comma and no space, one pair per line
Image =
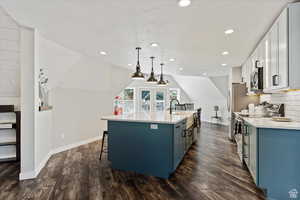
211,170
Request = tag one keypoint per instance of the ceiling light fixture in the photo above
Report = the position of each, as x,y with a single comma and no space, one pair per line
152,78
138,75
103,53
184,3
129,64
225,53
180,69
153,44
204,74
229,31
161,81
172,59
224,64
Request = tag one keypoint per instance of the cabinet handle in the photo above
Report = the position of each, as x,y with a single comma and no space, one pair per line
178,126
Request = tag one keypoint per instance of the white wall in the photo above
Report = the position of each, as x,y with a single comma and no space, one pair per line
85,94
221,83
36,134
204,94
9,60
27,102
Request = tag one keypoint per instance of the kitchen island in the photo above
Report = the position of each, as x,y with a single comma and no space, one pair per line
271,153
150,143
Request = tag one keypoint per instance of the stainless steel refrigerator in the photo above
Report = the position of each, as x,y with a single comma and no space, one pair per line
237,101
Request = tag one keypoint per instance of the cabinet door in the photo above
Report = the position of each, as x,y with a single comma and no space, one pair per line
283,50
253,152
274,54
248,75
267,64
178,150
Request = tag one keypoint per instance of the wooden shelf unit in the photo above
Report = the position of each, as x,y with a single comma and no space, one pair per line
10,145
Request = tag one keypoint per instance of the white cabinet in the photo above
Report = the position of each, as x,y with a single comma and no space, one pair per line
283,50
273,34
278,53
277,75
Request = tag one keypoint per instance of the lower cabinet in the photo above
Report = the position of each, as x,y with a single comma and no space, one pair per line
183,140
250,150
179,145
272,157
253,152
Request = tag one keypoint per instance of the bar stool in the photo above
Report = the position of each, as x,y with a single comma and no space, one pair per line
105,135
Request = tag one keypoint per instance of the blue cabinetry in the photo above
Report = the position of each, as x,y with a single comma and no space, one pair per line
274,160
151,149
279,162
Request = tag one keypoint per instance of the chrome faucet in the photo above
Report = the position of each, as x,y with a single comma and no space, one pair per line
174,99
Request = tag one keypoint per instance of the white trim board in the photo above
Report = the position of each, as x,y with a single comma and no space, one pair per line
36,172
74,145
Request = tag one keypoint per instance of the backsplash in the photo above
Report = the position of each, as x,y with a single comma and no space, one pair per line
291,102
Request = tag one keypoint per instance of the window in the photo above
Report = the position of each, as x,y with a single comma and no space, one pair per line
145,100
128,94
127,100
160,101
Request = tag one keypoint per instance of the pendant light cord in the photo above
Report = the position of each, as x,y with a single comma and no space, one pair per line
152,58
161,74
138,55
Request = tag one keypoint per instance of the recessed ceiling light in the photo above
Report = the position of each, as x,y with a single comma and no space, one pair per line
153,44
180,69
129,64
184,3
224,64
103,53
229,31
204,74
225,53
172,59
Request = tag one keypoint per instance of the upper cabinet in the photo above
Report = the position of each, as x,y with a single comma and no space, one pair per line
278,53
276,76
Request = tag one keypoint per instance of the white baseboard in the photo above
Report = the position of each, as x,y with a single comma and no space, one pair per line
27,175
74,145
212,122
35,173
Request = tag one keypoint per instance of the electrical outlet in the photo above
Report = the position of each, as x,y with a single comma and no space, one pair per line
153,126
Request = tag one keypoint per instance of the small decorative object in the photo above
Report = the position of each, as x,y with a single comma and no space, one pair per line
43,90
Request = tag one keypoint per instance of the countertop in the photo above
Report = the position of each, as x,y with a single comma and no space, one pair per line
151,117
261,122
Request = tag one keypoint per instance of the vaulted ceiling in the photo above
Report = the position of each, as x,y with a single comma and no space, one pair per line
194,35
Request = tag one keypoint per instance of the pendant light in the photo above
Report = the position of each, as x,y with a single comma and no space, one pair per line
161,81
138,75
152,78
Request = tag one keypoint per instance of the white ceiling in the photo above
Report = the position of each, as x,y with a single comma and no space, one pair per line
193,35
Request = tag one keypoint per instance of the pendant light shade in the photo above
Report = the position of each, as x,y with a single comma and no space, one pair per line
161,81
138,75
152,78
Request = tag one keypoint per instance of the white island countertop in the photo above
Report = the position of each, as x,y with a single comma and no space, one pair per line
151,117
260,122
